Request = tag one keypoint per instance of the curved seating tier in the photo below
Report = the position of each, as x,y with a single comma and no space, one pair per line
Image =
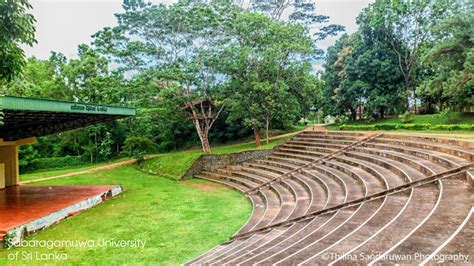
342,197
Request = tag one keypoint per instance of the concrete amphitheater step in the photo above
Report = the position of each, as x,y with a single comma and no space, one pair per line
298,158
382,234
298,225
386,176
443,159
310,155
317,241
405,172
237,172
421,164
440,226
301,192
466,154
313,141
317,146
266,258
234,179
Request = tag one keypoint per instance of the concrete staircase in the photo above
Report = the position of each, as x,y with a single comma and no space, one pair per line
346,197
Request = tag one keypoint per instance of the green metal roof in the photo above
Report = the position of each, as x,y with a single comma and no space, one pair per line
27,117
30,104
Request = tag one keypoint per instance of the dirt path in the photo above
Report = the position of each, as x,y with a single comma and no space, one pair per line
89,171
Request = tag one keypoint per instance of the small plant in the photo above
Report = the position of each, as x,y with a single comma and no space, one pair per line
329,119
343,119
449,117
319,115
406,118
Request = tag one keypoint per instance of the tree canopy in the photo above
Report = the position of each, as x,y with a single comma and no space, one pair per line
16,27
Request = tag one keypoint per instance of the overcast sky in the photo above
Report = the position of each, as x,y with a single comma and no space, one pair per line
61,25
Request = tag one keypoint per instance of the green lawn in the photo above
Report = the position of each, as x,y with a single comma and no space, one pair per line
175,164
64,170
178,220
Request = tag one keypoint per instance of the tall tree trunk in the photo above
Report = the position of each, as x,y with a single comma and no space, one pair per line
414,99
256,132
206,147
353,114
382,111
203,137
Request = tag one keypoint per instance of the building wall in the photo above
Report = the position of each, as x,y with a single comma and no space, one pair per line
9,157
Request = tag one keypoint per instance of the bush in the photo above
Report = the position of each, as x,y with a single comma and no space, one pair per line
137,147
357,127
55,162
450,117
342,119
420,127
407,117
386,127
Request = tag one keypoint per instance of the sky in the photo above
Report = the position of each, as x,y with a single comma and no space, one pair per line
61,25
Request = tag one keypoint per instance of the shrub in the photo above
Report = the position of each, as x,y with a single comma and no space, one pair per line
386,127
28,155
342,119
329,119
450,117
357,127
407,117
137,147
57,162
420,127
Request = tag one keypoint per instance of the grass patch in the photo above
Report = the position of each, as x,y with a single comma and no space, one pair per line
64,170
174,164
178,220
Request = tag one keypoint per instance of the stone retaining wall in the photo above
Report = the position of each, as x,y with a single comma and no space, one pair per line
213,162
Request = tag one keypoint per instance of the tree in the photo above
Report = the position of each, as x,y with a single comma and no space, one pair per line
181,44
16,27
259,63
406,27
451,61
41,79
362,72
303,12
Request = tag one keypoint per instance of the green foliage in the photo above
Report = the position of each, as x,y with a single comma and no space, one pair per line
16,27
105,148
271,77
342,119
407,117
415,127
451,62
28,165
137,147
28,156
450,117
